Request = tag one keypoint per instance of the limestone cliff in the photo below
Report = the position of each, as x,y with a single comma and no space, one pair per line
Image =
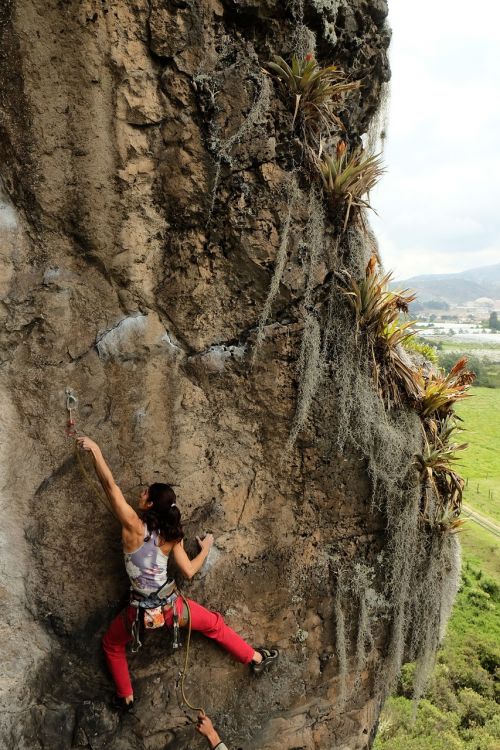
146,161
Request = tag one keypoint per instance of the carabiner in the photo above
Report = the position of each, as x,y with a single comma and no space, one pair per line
71,400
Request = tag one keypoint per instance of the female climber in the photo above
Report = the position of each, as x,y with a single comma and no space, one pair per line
149,536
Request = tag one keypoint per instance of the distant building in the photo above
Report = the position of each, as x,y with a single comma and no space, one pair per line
478,309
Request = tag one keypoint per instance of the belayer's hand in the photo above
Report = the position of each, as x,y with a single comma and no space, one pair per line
206,542
204,725
206,728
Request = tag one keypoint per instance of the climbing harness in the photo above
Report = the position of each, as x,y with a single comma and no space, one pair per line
150,614
149,609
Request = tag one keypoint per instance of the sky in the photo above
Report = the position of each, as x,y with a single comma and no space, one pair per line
439,201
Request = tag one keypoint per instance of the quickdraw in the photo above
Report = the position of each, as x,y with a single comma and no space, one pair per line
71,402
72,432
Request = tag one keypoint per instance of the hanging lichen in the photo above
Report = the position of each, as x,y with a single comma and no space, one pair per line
309,372
303,39
314,239
224,148
419,564
380,399
292,195
372,605
311,363
379,123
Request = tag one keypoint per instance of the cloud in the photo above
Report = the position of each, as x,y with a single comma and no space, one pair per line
438,203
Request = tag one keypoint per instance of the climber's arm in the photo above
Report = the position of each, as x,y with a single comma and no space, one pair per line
124,512
188,567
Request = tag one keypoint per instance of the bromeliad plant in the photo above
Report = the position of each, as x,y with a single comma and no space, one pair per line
441,391
399,371
313,93
378,311
349,177
442,486
376,307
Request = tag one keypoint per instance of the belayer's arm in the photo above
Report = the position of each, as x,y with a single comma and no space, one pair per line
188,567
122,510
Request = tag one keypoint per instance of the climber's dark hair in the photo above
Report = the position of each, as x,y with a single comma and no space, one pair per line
164,516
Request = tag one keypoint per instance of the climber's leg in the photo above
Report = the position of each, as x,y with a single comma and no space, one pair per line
213,626
114,642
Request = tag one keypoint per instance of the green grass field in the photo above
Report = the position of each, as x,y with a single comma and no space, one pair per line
481,548
460,709
480,463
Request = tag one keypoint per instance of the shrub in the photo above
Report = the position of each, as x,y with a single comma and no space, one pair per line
431,730
414,344
474,709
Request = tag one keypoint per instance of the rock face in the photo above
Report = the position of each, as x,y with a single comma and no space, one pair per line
145,163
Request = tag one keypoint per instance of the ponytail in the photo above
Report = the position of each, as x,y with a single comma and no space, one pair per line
163,516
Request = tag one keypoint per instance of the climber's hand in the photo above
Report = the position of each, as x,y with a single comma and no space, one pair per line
87,444
206,542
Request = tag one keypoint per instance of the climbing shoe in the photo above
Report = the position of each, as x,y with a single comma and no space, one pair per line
268,656
120,704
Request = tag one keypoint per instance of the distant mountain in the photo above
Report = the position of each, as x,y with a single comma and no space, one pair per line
455,288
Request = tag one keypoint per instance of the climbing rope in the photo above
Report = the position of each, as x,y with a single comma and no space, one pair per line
182,673
90,482
71,432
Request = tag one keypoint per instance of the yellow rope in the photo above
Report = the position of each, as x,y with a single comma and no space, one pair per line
90,482
198,709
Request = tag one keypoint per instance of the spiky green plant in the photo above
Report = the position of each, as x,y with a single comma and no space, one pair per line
441,391
376,307
439,452
442,485
378,311
349,177
312,92
392,339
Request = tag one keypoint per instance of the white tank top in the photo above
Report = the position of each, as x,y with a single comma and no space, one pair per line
147,566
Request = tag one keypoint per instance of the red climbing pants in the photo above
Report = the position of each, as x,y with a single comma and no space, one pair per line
209,623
